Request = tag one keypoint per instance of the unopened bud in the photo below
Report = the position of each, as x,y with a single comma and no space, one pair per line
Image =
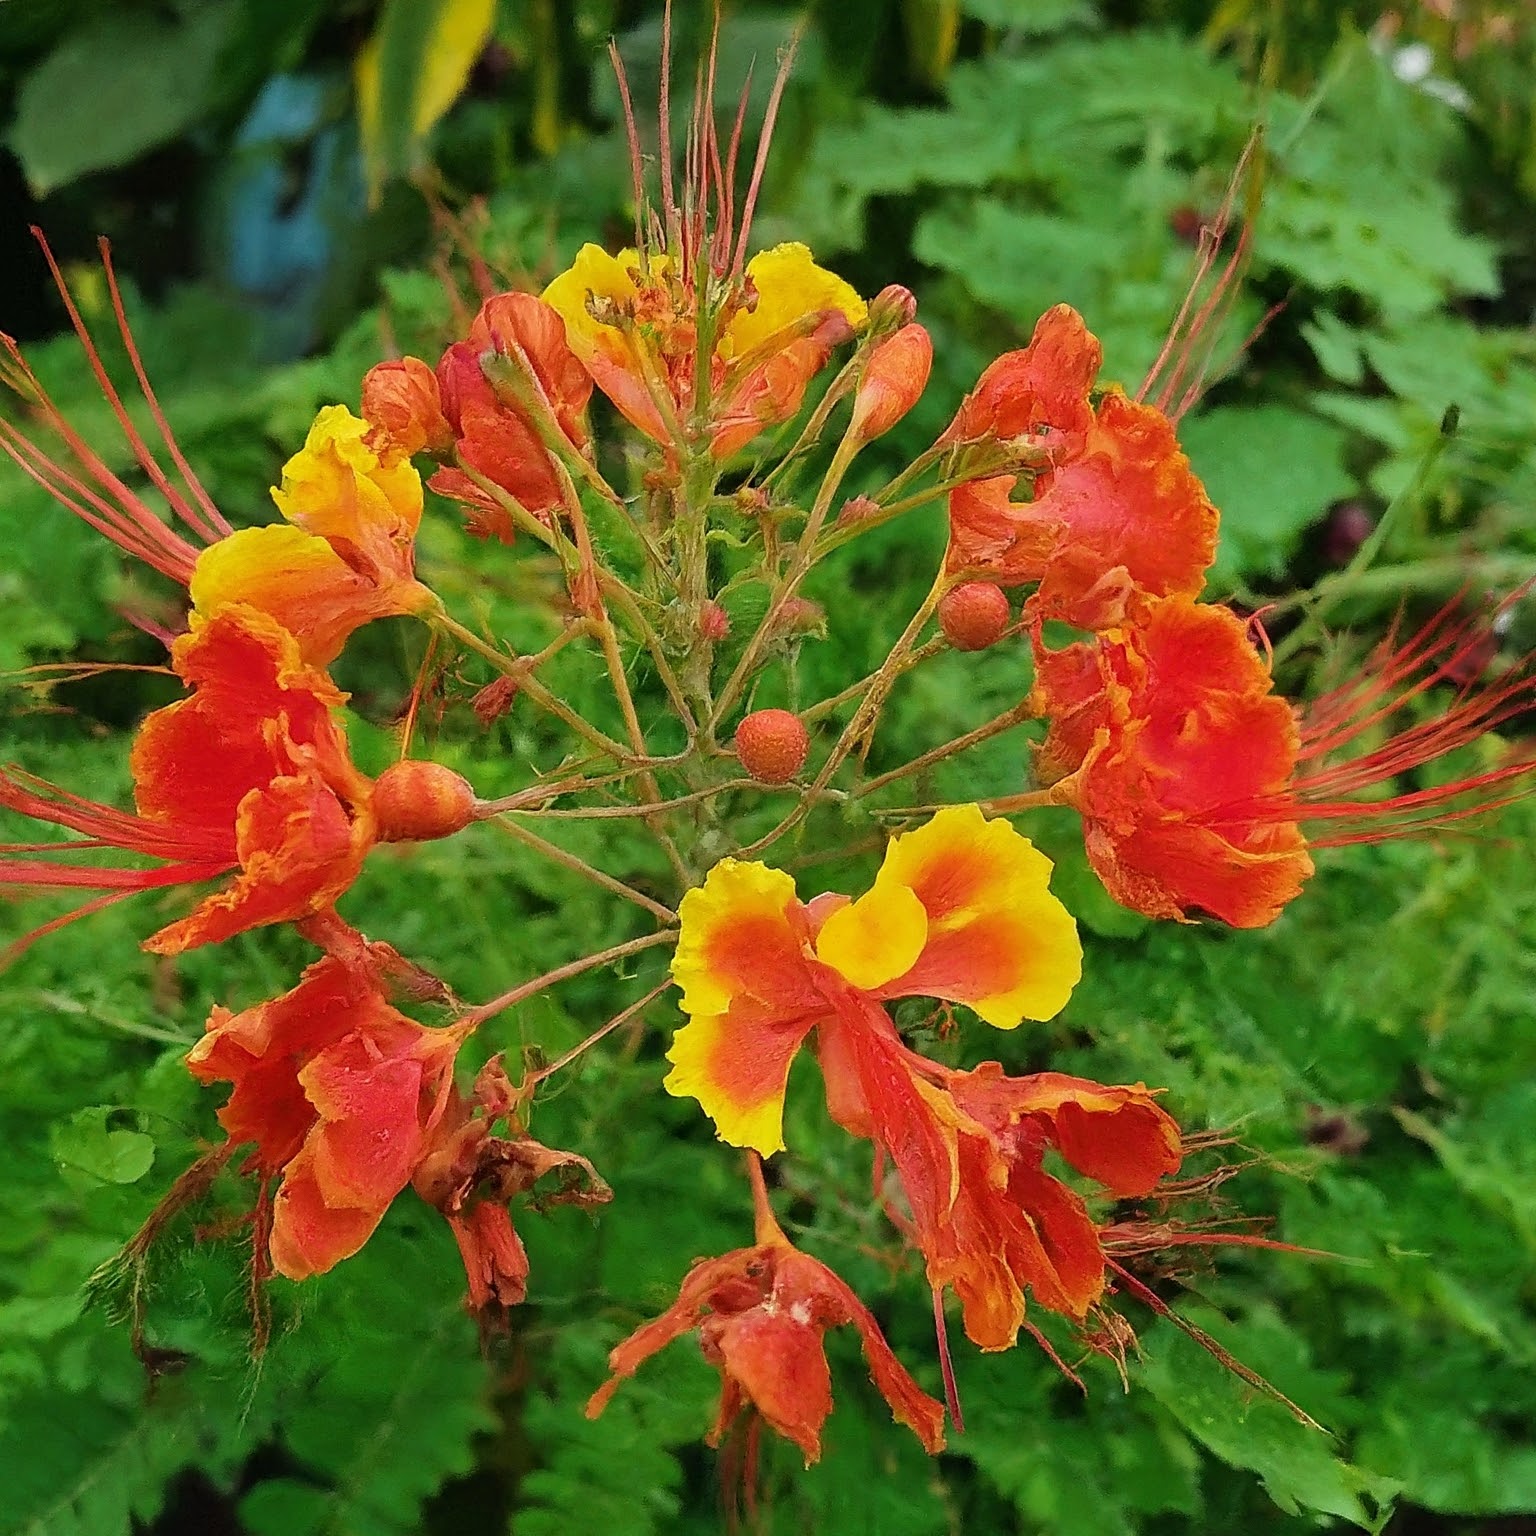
772,745
891,309
974,615
401,403
801,616
894,378
415,802
857,508
494,700
714,623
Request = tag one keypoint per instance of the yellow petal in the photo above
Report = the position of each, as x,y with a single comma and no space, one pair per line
594,273
998,940
790,286
739,1083
875,939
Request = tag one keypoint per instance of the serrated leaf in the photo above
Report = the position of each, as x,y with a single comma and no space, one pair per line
1297,1463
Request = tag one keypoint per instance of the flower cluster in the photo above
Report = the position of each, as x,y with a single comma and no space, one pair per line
744,391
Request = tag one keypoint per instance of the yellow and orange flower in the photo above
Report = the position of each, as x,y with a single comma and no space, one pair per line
346,553
961,911
633,321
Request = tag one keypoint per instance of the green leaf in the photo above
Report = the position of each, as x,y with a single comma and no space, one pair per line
1244,1429
410,72
85,1145
1272,471
119,85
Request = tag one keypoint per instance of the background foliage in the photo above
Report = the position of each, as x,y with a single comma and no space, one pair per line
1374,1050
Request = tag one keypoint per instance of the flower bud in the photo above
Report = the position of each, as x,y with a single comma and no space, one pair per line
891,309
414,802
714,623
894,377
772,745
973,615
856,509
401,402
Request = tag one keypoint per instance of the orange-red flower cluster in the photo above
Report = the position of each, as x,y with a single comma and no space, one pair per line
960,911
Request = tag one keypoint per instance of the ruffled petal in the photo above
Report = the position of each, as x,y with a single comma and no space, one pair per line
790,287
300,580
998,940
308,1235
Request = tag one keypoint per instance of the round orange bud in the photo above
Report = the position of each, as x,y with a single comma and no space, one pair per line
973,615
772,745
414,802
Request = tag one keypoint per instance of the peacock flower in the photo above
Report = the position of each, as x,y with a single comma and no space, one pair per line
761,1314
339,1094
961,910
521,339
1112,510
1124,515
346,553
250,774
634,321
1035,397
1194,778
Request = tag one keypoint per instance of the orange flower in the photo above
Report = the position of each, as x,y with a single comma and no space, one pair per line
633,320
249,773
893,381
1123,515
1039,394
1194,777
494,435
761,1313
968,1149
1175,748
339,1093
1114,510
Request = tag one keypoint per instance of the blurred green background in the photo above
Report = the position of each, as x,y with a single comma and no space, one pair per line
1374,1050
